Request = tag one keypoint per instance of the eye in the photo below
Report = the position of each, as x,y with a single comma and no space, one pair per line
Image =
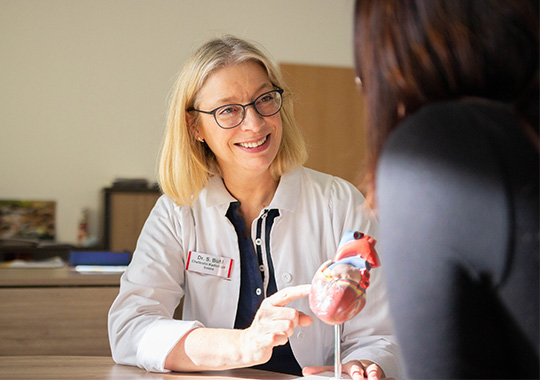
266,98
229,110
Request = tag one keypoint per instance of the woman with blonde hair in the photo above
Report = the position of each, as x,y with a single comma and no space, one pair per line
184,173
239,232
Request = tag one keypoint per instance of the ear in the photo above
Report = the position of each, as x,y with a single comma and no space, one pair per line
194,130
401,110
189,119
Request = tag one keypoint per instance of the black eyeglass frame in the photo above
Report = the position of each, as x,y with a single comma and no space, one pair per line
244,106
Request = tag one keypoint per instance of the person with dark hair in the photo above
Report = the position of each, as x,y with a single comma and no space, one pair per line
452,94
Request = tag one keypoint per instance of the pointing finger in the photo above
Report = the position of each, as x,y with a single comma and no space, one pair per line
284,296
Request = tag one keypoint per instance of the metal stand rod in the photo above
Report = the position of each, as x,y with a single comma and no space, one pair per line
337,352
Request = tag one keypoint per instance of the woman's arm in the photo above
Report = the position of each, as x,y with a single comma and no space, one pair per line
141,328
218,349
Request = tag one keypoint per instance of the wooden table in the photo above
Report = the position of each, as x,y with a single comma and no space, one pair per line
103,367
55,311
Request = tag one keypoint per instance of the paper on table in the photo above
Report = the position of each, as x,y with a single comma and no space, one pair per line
100,268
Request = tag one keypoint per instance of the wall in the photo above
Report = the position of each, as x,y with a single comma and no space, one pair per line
84,83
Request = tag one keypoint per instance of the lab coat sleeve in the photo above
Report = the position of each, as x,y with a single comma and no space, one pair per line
141,329
369,335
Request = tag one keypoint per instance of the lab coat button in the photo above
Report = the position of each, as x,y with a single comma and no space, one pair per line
286,277
258,291
258,241
301,335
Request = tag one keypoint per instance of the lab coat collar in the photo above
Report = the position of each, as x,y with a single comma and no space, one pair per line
288,192
216,193
286,196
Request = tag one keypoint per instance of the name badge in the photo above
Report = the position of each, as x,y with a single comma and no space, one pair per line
209,264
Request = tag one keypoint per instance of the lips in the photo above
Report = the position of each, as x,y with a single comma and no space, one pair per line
338,289
254,144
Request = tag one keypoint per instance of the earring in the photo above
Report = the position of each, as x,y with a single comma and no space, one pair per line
200,139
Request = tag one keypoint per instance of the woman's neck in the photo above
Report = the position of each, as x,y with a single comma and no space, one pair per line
254,194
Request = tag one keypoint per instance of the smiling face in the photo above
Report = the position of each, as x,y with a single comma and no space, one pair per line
249,148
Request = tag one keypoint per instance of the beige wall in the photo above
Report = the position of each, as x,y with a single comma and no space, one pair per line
84,83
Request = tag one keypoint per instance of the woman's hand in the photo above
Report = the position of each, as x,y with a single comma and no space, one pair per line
204,349
273,324
357,370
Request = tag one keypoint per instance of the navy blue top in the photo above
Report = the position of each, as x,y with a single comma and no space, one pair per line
251,284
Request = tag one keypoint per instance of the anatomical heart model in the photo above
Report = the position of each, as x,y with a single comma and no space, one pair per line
338,289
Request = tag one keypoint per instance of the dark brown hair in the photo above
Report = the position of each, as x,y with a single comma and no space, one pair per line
412,52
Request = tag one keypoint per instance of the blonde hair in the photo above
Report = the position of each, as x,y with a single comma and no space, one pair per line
185,164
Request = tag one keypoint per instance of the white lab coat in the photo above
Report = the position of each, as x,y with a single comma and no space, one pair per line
315,209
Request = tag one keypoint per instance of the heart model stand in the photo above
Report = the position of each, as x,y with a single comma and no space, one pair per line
338,289
337,352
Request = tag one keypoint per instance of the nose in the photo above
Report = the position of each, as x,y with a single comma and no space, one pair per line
252,119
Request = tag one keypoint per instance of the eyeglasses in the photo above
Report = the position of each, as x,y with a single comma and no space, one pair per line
232,115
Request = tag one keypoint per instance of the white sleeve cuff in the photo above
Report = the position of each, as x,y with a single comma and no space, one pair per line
384,353
159,340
